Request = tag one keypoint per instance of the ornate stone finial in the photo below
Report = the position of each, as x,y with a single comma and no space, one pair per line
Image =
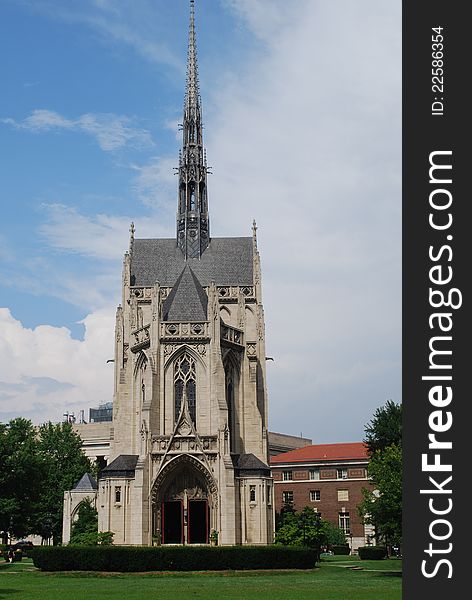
254,232
131,237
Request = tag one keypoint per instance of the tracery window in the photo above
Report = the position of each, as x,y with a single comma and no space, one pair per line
230,403
185,378
192,197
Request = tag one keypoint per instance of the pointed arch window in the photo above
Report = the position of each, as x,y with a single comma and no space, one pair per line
142,381
230,399
192,196
185,378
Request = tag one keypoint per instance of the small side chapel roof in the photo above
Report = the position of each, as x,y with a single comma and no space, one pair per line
124,465
86,483
249,464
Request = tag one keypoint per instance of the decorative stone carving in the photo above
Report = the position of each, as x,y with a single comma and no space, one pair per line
179,331
251,350
189,467
140,338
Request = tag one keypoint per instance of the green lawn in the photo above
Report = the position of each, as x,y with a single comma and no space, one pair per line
337,578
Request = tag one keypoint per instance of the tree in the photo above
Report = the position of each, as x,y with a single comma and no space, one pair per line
85,528
61,451
306,528
385,428
21,472
334,535
382,507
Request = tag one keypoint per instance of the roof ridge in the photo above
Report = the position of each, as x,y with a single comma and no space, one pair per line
187,300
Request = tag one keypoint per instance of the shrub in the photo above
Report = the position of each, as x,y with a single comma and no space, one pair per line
372,552
171,558
342,549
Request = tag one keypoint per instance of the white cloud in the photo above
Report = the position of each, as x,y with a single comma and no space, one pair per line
266,20
110,131
99,236
308,141
44,372
155,184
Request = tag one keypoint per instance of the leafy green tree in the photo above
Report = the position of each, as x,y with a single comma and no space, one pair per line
61,451
21,474
383,506
385,428
334,535
85,528
306,528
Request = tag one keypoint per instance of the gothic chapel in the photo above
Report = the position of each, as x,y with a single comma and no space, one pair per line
189,451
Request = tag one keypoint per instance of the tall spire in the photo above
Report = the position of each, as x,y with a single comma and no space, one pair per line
193,228
192,96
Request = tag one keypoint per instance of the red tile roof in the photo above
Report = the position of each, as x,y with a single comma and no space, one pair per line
320,452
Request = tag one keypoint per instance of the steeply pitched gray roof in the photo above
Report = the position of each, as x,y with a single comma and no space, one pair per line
187,300
226,261
123,466
86,483
248,464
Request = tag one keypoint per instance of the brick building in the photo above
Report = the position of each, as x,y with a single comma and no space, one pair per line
329,478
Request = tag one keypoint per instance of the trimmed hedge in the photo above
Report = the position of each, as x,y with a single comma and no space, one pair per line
171,558
341,550
372,552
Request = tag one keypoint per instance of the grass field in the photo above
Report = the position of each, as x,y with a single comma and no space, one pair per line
337,578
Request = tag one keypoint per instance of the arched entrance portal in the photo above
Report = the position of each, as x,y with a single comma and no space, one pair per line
184,501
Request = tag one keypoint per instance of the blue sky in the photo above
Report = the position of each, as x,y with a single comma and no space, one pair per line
302,126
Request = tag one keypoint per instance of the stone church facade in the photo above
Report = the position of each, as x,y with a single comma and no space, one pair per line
189,447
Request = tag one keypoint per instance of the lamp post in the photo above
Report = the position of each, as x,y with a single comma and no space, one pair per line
350,537
10,531
303,522
47,528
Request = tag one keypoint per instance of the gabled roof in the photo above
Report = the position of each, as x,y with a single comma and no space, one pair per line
323,452
226,261
187,300
86,484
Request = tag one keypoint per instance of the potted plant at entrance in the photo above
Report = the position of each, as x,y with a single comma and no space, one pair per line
214,537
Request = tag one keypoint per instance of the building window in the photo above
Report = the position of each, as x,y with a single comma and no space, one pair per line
117,494
287,497
287,475
185,377
343,495
315,495
252,493
230,403
344,522
314,474
341,473
269,495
